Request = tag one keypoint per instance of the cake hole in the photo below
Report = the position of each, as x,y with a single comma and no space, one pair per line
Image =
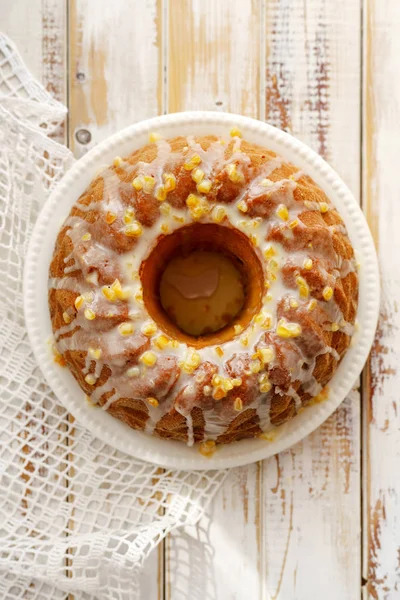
225,267
201,292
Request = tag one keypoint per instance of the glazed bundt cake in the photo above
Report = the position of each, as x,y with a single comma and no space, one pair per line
203,289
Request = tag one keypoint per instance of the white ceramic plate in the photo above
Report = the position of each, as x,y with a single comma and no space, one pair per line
101,424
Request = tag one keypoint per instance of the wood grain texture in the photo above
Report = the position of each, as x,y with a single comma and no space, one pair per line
288,528
214,63
220,557
381,128
38,29
116,67
22,22
114,80
214,55
311,493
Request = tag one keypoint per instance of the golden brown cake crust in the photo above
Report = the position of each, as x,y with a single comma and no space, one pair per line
276,362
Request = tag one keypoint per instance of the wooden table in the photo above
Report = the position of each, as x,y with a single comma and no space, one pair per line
322,520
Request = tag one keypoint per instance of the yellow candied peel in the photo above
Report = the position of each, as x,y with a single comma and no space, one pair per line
162,342
238,404
311,305
138,183
304,289
197,175
169,182
57,357
308,264
165,209
67,317
152,401
204,186
126,328
148,358
267,436
198,206
139,296
129,216
115,291
110,217
95,353
108,293
244,340
285,329
256,366
79,302
254,240
149,328
207,448
234,174
235,132
265,384
264,319
321,397
90,379
161,193
89,314
267,182
266,355
191,362
282,212
218,214
327,293
269,252
242,206
154,137
134,229
223,385
193,162
148,184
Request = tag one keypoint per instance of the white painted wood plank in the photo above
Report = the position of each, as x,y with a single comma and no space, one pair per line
381,133
115,80
22,22
38,29
115,67
220,557
214,55
311,502
214,59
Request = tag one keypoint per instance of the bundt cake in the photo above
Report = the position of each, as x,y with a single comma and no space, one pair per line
203,289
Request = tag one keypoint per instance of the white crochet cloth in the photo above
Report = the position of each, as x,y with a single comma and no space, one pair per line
76,516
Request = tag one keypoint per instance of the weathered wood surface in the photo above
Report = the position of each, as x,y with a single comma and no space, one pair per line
381,131
114,80
274,525
290,527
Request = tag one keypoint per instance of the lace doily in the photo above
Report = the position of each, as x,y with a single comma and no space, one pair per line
76,516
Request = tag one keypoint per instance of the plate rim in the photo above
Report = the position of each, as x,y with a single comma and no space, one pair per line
118,434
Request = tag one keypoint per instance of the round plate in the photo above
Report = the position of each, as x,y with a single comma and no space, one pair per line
136,443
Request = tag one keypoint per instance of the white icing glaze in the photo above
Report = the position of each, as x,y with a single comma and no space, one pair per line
87,255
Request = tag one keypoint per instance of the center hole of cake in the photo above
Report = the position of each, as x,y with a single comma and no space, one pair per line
202,284
201,292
